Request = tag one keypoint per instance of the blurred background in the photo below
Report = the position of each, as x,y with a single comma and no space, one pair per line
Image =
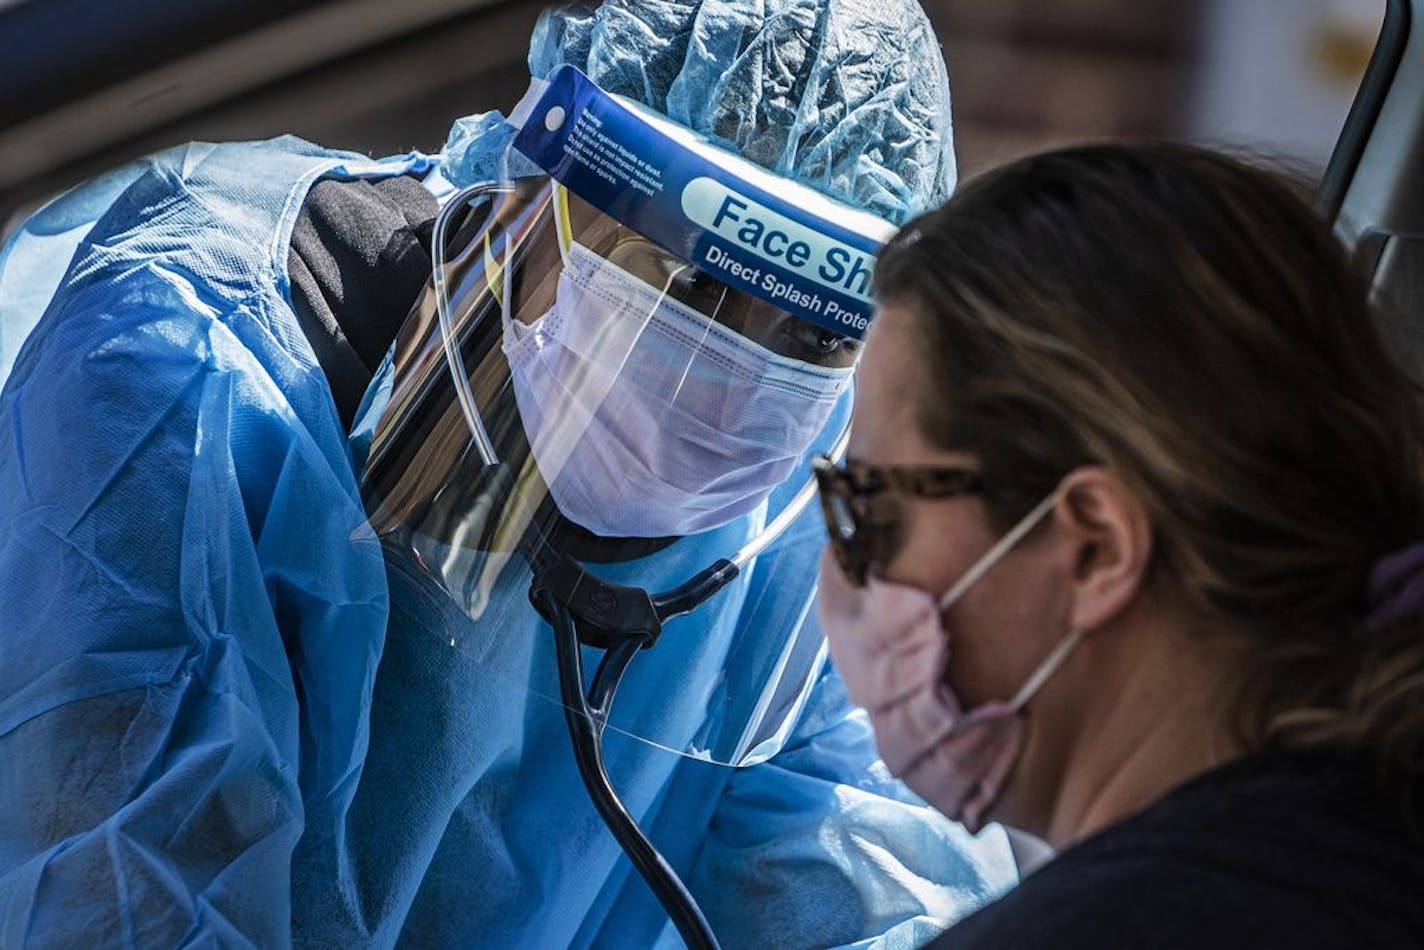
84,86
1274,77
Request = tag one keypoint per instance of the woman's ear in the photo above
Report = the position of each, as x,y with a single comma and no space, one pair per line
1112,536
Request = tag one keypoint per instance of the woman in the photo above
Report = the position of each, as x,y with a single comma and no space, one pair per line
1131,556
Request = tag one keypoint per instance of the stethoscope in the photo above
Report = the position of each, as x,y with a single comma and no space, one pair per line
583,609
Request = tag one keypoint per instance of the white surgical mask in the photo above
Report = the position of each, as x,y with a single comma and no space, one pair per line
647,418
890,645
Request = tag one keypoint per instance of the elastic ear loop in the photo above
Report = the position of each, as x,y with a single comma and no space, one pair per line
563,236
1000,548
495,272
1059,653
563,221
1047,668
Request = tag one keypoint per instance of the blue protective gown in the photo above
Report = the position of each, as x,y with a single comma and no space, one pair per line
223,720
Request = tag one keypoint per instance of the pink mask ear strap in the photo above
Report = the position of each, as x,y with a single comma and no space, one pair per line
1047,668
1051,663
1000,548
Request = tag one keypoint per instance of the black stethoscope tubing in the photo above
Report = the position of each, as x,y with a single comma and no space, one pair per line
623,620
585,716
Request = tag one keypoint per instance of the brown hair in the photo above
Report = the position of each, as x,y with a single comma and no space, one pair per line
1185,319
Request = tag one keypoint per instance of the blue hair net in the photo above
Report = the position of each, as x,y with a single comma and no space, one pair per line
850,97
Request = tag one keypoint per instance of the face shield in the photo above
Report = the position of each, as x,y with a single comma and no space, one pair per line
607,400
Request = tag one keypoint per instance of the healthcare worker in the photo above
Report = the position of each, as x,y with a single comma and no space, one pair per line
264,682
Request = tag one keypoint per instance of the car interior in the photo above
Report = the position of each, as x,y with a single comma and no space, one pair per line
1372,189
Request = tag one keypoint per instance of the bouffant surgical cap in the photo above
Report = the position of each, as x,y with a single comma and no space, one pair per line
850,97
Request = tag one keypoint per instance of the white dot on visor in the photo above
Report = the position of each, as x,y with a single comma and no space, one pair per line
554,118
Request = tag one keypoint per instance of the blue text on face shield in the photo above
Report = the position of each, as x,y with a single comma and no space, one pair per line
777,239
757,236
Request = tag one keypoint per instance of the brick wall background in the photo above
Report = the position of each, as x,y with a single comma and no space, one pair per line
1033,74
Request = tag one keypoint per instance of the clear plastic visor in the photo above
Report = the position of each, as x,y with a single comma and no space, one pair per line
576,412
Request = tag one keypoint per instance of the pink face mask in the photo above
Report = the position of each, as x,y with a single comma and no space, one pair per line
891,647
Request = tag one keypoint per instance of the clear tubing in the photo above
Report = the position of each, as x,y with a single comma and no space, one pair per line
481,438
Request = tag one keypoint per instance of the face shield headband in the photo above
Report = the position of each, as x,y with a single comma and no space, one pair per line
759,234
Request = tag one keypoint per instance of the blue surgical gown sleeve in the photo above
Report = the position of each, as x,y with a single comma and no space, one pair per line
828,847
183,663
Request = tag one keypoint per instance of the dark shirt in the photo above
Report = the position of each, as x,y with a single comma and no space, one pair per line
1270,851
359,257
